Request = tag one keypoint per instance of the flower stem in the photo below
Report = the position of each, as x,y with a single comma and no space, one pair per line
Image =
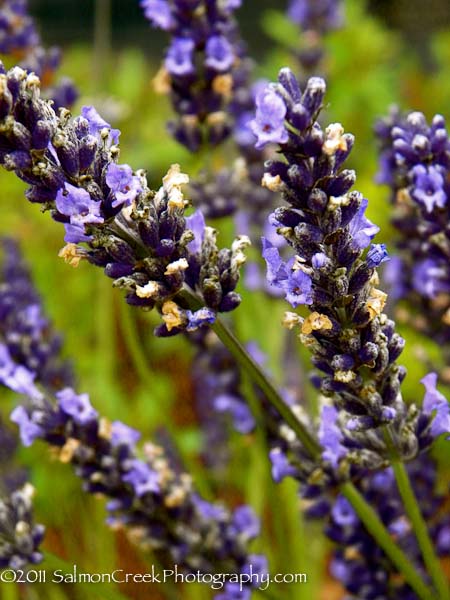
102,42
378,531
420,529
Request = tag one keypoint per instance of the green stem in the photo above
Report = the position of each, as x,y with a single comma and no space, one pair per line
378,531
420,529
102,42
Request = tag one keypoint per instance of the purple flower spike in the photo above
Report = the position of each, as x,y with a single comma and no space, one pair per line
179,59
76,406
268,125
124,185
142,478
435,403
219,53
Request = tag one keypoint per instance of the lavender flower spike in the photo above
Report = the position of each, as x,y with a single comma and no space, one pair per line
139,237
27,341
20,39
20,537
203,67
24,328
415,164
354,344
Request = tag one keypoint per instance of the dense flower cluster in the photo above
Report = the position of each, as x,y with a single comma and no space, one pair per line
20,537
333,271
415,164
203,67
139,237
19,38
25,334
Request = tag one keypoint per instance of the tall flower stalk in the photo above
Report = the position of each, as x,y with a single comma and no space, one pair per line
334,272
415,164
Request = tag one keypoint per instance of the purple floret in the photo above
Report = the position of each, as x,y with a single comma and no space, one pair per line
219,53
123,184
268,124
435,403
77,406
179,58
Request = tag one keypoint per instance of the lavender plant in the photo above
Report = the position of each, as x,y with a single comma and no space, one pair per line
20,40
415,163
202,67
353,343
26,335
141,238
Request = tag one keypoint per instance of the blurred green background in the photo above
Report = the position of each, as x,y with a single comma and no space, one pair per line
399,52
